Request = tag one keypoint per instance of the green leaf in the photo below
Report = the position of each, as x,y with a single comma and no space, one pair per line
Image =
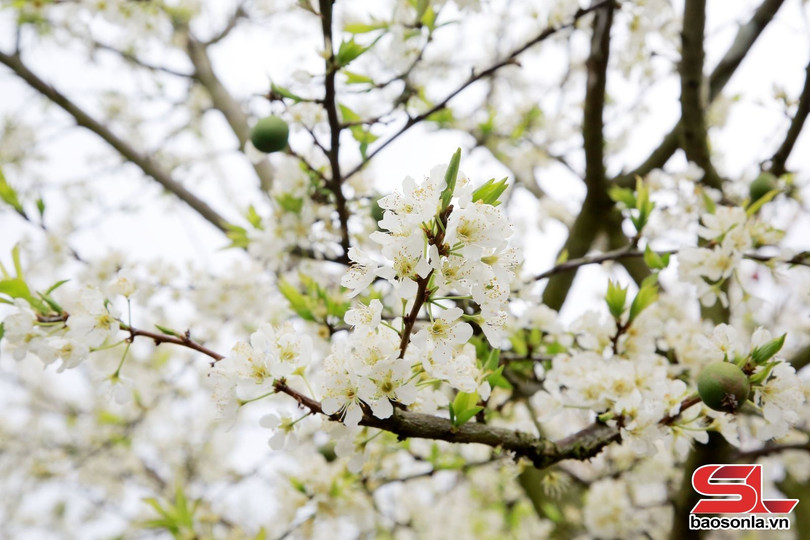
357,78
51,302
754,207
464,407
444,117
711,208
15,257
765,352
496,378
616,299
237,235
622,195
276,91
364,28
253,217
464,416
428,18
490,191
645,297
41,207
2,330
493,359
15,288
762,375
168,331
9,196
299,303
349,51
644,206
526,122
348,115
450,177
519,345
56,286
290,203
655,261
362,135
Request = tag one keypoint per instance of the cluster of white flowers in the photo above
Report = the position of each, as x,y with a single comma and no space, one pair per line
92,322
729,232
463,254
639,391
251,369
444,252
293,218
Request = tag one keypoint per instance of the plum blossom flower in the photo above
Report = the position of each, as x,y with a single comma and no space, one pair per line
443,334
283,428
365,319
361,273
93,320
392,380
781,397
344,393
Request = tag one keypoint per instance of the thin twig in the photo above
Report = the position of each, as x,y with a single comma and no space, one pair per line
335,185
695,139
744,40
144,162
511,59
796,124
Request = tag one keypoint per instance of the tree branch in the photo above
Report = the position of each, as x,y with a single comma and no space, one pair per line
225,103
628,252
542,452
768,450
133,59
474,77
233,20
796,124
144,162
183,341
694,136
744,40
330,104
597,203
592,121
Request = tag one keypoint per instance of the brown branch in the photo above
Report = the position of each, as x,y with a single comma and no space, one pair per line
335,185
225,103
694,136
627,252
542,452
410,319
744,40
133,59
597,203
796,124
580,237
511,59
233,20
592,121
144,162
768,450
183,341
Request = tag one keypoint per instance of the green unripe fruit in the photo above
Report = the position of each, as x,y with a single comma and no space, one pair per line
760,187
723,386
270,134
